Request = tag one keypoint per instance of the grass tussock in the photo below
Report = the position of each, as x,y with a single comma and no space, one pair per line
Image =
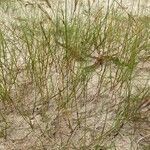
73,75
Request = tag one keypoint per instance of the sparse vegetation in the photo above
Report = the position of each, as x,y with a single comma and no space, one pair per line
74,75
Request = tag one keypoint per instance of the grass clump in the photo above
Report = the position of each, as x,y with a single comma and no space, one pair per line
75,76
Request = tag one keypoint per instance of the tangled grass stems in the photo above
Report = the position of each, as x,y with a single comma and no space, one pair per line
73,75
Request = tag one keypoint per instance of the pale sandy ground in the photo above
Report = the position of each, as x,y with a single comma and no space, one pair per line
22,137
